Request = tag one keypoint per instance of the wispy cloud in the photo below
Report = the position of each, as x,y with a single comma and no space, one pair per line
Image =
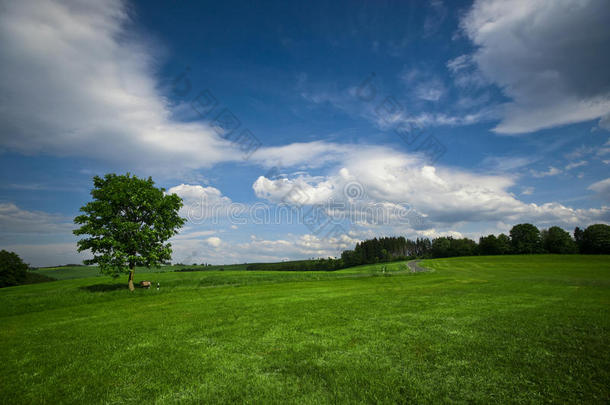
574,165
552,171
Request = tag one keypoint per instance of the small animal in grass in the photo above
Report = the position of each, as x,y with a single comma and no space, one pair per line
145,284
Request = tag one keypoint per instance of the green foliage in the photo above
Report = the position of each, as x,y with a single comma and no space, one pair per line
596,239
556,240
525,239
322,264
504,246
129,221
450,247
492,245
488,245
379,251
13,271
578,238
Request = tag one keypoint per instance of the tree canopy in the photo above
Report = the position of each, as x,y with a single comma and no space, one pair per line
13,271
129,222
556,240
596,239
525,238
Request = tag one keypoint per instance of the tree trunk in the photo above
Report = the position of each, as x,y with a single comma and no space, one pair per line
132,270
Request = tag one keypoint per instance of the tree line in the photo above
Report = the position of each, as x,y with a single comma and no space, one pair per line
522,239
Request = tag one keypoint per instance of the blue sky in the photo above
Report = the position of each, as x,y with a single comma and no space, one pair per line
362,119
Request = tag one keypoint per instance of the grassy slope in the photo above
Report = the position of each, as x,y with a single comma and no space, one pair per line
483,329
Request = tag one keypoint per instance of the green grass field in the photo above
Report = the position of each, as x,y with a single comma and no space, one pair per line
516,329
72,272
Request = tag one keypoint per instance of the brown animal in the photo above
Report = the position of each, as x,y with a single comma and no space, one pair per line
145,284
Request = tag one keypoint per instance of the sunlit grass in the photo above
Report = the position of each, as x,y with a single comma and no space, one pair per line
482,329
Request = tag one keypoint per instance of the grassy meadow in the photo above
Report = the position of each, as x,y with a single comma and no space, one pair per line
516,329
72,272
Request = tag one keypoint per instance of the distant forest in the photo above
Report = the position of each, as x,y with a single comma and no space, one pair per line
522,239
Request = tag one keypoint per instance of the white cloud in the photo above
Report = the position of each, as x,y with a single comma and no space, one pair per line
433,233
201,204
553,171
574,165
430,91
587,151
301,154
75,82
604,122
422,84
549,57
259,249
301,190
445,196
465,74
503,164
188,233
602,188
214,241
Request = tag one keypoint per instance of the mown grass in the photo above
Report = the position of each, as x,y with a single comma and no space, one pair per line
482,329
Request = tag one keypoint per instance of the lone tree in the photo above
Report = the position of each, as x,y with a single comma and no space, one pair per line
129,221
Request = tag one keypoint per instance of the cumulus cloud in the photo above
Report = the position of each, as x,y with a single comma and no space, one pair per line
214,241
75,81
444,196
201,204
549,57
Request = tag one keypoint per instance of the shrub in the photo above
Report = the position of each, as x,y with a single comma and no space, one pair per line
13,271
